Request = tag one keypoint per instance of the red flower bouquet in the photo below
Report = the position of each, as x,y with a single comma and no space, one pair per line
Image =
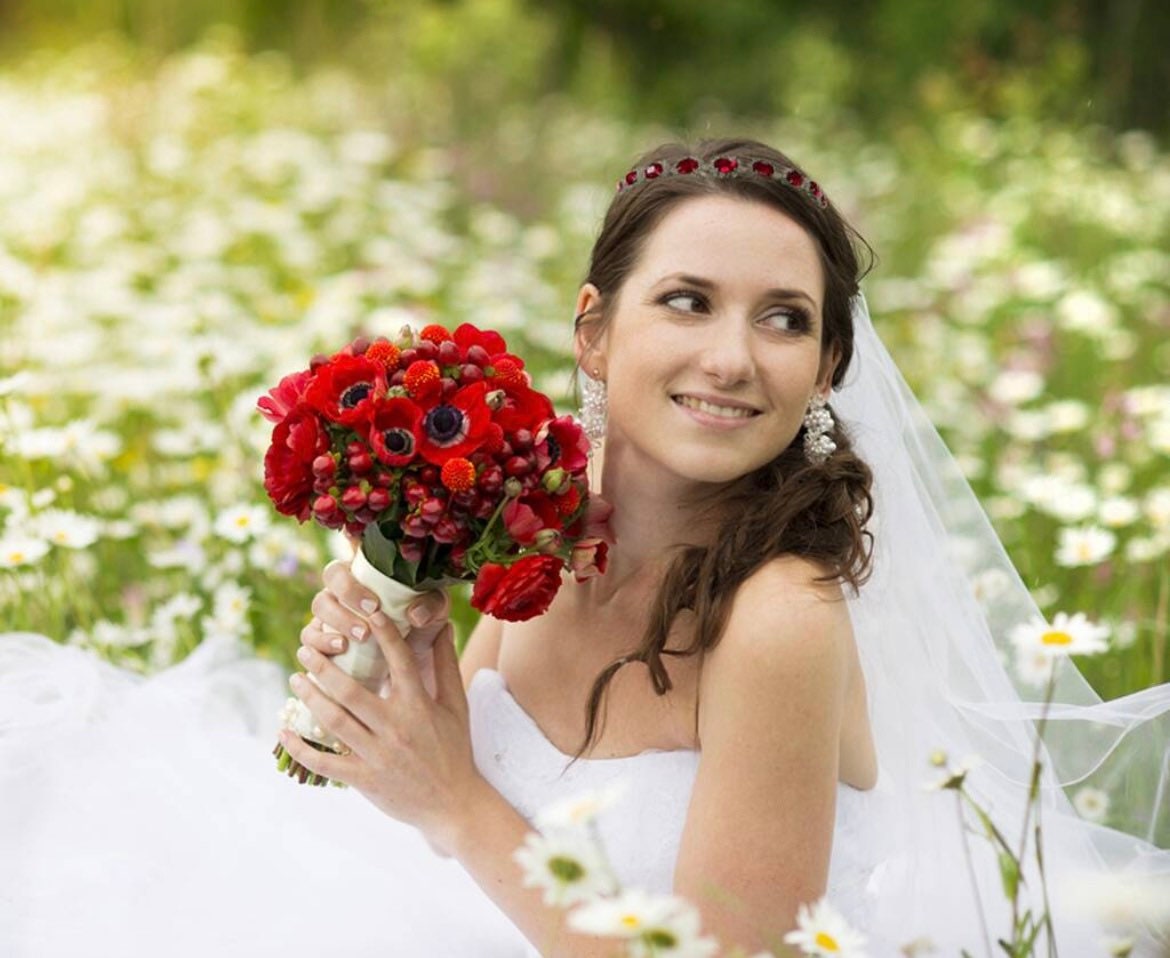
435,449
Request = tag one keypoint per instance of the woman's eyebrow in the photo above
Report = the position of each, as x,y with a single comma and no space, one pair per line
779,292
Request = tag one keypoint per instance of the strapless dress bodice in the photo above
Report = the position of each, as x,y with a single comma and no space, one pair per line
642,831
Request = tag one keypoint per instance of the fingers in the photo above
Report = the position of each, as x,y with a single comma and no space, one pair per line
324,638
343,621
350,593
449,690
337,702
336,767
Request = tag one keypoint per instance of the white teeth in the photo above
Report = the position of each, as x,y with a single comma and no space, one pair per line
731,412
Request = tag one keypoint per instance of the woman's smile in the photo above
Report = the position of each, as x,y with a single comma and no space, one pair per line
718,414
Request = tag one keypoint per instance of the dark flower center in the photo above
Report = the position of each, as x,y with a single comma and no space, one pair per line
444,424
355,394
399,442
554,448
566,869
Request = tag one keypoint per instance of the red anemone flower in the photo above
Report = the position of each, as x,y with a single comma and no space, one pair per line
396,430
346,388
279,401
456,426
562,443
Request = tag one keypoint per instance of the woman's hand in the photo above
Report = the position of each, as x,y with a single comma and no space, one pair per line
410,753
345,611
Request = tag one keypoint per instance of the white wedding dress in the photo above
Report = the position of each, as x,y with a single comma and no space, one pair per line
144,817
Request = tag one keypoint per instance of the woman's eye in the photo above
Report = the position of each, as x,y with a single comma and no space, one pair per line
794,319
685,302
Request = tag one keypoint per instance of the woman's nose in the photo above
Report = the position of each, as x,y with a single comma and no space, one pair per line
726,355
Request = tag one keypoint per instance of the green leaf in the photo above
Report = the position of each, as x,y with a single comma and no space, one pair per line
1009,872
380,551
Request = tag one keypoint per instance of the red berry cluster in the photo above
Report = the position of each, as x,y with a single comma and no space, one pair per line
440,439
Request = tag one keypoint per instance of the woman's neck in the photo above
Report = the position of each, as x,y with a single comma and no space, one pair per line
652,511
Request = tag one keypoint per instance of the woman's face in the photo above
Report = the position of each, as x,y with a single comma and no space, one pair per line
713,349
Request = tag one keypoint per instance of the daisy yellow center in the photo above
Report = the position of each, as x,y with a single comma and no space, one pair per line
826,942
16,556
1056,637
242,521
631,921
1084,551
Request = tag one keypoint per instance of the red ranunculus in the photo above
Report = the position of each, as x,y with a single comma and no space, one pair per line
346,387
561,442
282,399
456,426
396,430
520,591
288,464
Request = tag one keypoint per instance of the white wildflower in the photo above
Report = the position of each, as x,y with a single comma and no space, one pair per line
1013,387
651,925
1091,803
1066,635
1157,507
578,810
1122,901
954,775
820,930
1117,511
60,527
242,522
569,867
17,550
1086,545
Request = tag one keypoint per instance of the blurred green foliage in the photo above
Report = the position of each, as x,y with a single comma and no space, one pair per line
1077,61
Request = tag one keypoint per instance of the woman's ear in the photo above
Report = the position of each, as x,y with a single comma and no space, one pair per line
829,360
588,336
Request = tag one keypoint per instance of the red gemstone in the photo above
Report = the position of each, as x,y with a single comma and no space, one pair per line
725,164
795,177
764,169
653,170
814,189
687,165
631,177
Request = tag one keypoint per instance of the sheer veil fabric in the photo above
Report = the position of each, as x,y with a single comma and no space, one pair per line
932,627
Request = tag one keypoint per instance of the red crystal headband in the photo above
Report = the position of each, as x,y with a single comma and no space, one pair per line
727,166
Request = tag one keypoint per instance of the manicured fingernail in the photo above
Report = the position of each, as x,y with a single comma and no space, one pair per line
419,615
379,619
306,655
369,606
337,645
358,632
297,681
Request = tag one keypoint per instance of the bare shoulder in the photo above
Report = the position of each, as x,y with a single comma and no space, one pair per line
785,630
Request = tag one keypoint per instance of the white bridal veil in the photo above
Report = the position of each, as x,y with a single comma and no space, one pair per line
932,628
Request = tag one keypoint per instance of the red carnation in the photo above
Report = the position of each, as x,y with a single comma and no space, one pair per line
281,400
396,431
456,426
288,464
520,591
346,387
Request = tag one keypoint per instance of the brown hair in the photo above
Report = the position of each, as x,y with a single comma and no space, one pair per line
787,506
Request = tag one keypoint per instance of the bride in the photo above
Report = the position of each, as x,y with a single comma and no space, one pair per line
796,616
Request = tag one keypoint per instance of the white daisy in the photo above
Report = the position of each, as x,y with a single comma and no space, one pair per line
1092,803
17,550
242,522
568,866
1117,511
954,775
1034,666
1067,635
67,529
1121,901
652,925
1084,545
822,931
578,810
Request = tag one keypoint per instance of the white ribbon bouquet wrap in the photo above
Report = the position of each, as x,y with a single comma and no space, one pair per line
364,661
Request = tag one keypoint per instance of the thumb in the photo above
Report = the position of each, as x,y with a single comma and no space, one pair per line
449,690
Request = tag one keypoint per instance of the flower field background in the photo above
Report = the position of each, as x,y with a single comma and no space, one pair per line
177,232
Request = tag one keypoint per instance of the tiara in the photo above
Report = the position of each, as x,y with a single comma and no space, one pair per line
723,166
